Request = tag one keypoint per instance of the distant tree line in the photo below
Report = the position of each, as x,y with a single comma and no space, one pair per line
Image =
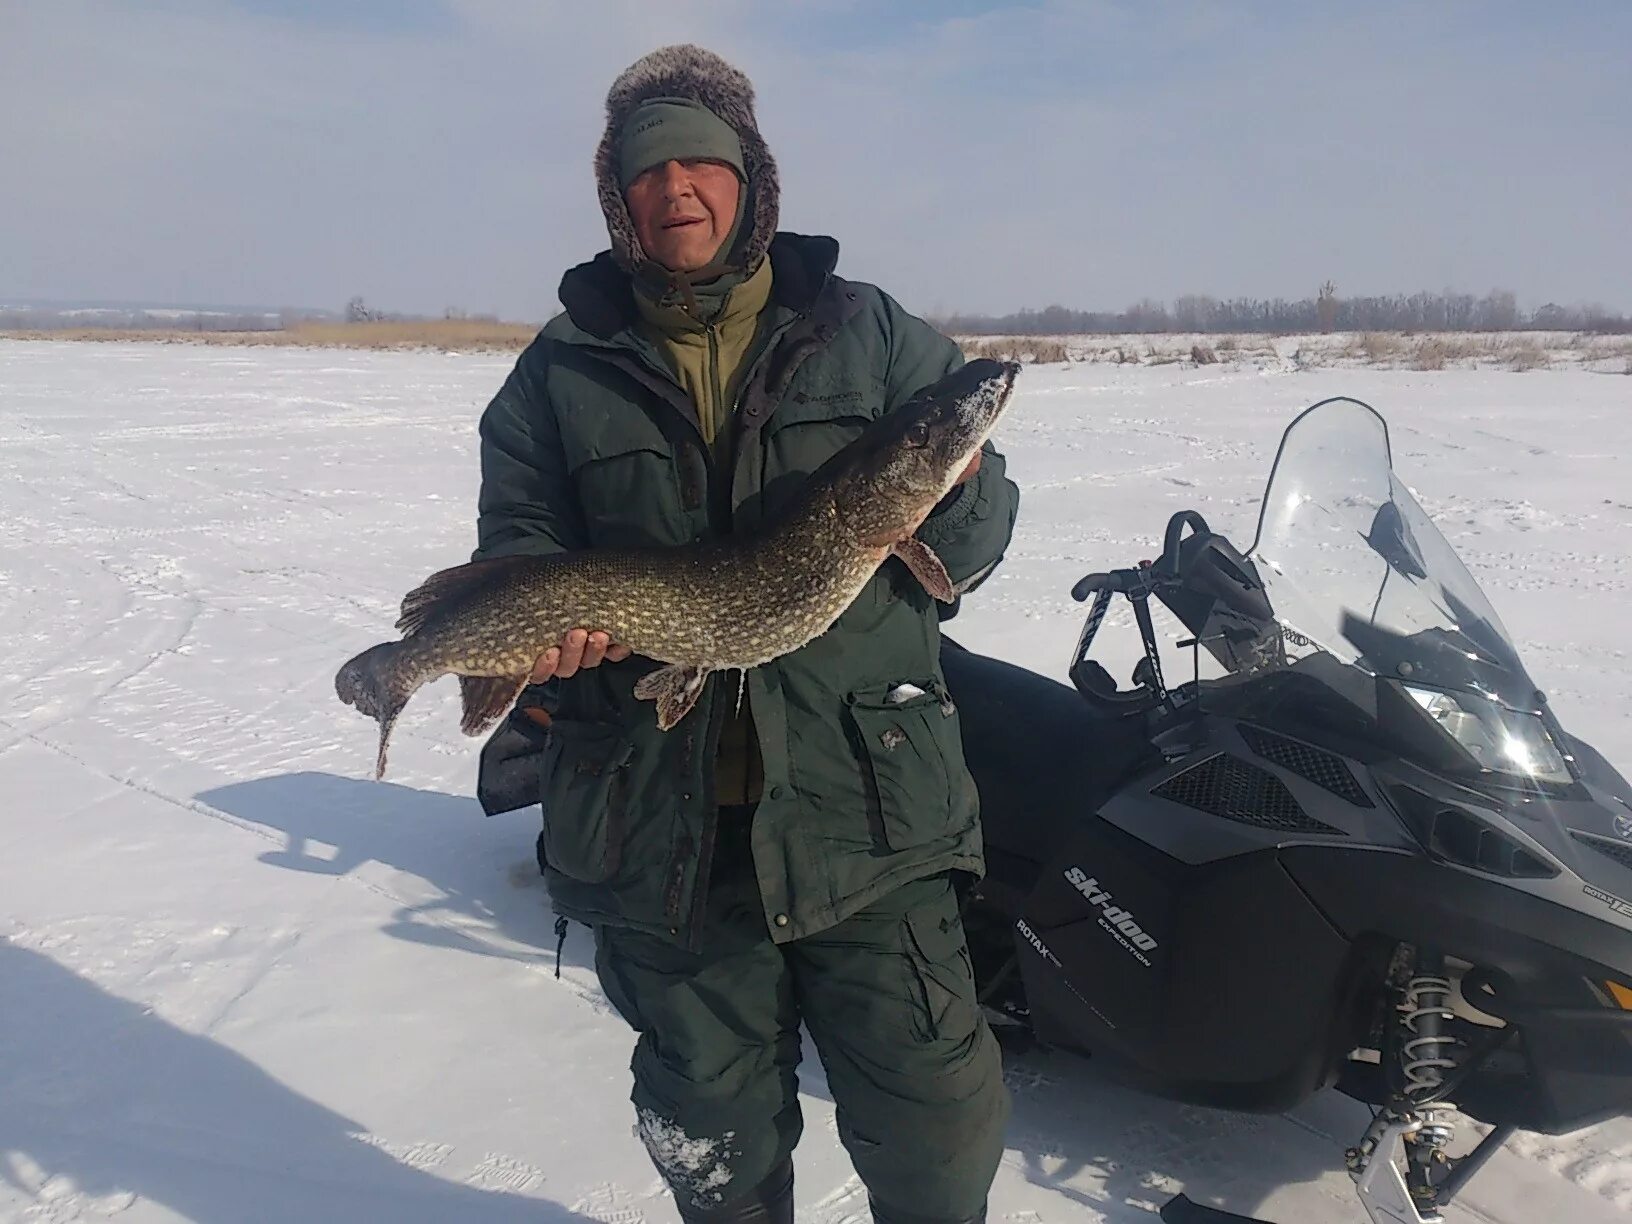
1326,311
359,311
185,319
45,318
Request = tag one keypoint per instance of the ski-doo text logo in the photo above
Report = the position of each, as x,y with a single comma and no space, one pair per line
1034,941
1118,921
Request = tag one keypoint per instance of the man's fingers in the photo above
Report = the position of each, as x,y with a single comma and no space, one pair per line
572,653
546,665
579,649
595,649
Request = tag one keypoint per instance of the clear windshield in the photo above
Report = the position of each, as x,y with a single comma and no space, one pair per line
1354,567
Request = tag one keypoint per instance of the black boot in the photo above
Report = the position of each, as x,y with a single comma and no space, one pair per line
770,1202
887,1215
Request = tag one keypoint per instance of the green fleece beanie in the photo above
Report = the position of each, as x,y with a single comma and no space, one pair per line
675,129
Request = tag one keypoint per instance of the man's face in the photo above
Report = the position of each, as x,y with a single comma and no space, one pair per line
683,211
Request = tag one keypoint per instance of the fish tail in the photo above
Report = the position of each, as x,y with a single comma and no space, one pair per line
378,683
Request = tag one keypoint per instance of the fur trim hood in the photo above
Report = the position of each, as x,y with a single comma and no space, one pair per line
686,71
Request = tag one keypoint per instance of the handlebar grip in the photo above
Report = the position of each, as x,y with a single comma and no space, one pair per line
1090,583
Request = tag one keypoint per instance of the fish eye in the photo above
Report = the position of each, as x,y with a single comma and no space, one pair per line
918,433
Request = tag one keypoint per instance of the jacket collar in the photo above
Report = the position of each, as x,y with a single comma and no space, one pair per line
742,303
599,297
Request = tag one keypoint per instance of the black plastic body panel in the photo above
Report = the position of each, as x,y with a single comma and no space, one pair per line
1228,999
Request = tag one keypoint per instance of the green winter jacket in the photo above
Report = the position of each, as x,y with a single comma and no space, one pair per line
591,443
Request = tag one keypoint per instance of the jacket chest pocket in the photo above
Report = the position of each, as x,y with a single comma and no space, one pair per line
633,490
911,760
808,429
815,421
585,794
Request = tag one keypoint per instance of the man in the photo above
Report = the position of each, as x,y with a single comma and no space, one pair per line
786,854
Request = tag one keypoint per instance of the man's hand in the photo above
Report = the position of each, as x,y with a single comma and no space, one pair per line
969,472
579,648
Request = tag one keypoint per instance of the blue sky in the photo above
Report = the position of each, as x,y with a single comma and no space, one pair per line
432,153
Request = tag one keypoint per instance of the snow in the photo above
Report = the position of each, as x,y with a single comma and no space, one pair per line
700,1166
239,981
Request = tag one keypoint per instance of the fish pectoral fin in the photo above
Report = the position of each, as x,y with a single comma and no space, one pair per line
674,688
926,567
485,699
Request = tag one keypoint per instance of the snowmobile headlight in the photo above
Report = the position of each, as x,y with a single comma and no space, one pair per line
1501,740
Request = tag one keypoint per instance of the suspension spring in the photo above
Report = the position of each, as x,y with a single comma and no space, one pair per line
1426,1053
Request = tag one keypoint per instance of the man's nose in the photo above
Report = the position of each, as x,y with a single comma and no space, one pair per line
676,180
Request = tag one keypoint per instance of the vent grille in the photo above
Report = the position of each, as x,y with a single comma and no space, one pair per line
1455,836
1325,769
1620,851
1236,790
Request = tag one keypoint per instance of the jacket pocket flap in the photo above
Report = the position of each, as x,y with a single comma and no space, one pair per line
589,747
585,796
901,695
830,399
904,765
592,437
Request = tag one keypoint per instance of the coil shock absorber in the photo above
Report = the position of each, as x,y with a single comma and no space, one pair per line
1427,1055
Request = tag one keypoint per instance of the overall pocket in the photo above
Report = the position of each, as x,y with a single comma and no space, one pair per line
939,953
907,754
585,795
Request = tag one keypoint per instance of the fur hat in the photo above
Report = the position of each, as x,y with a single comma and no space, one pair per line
686,71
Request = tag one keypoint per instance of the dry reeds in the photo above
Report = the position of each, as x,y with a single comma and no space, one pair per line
456,335
1017,348
1379,346
1527,355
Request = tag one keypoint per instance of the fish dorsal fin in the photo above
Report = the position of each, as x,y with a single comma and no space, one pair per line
931,573
485,699
451,585
675,689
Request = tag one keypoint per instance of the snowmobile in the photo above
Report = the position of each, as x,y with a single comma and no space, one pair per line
1361,854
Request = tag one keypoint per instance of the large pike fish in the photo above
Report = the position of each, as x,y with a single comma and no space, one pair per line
730,603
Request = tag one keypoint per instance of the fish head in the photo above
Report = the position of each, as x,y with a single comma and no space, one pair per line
885,483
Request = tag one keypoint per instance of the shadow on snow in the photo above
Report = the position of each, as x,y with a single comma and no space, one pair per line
100,1092
1096,1144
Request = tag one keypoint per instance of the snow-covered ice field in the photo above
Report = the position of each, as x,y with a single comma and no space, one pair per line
239,981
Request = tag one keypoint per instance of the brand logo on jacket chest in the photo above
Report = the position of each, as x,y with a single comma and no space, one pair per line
832,397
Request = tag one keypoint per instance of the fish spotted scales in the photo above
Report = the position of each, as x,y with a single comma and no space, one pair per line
714,605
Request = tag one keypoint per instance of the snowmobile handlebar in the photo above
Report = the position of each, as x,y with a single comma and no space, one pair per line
1148,575
1124,581
1182,561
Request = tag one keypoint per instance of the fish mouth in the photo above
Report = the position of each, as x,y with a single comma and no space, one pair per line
981,391
973,398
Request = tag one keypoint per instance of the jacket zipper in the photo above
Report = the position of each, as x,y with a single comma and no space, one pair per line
716,384
718,503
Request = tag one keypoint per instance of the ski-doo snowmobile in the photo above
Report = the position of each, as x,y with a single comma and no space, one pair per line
1365,855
